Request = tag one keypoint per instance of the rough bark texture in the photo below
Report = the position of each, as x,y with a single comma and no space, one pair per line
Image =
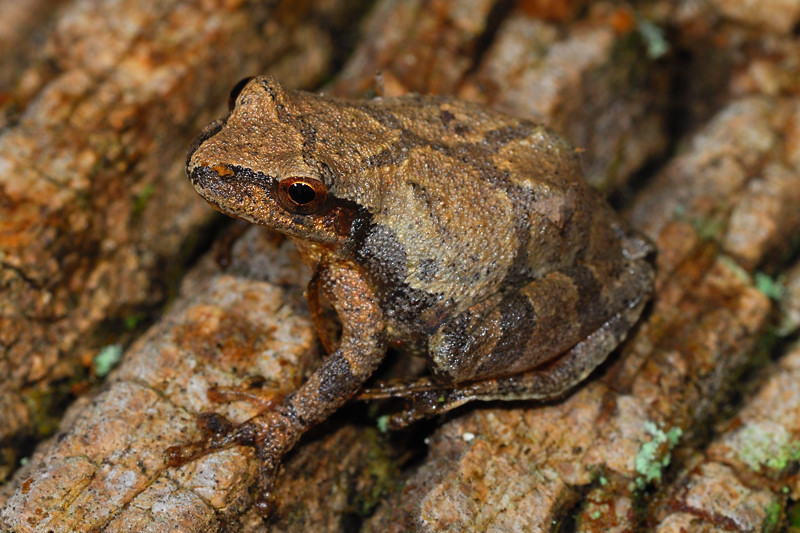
692,425
96,215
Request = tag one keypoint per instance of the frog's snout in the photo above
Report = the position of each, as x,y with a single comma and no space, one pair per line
208,132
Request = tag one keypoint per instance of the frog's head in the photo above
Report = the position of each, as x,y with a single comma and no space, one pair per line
256,164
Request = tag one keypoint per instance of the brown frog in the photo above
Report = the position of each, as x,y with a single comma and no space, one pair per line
431,224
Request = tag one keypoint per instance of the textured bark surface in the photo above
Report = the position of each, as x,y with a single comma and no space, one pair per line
96,215
692,425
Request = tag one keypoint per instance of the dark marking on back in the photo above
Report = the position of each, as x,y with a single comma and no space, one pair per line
383,116
589,291
386,157
521,199
517,322
384,258
447,117
499,137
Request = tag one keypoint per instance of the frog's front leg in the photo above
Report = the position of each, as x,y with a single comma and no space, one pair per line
533,344
275,431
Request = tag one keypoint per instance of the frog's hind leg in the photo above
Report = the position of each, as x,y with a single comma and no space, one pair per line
548,381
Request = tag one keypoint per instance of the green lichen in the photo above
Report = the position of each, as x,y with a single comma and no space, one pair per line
653,36
774,289
654,456
773,516
106,359
770,447
383,423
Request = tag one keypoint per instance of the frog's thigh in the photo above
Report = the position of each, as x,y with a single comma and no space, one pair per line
586,307
429,398
557,377
534,344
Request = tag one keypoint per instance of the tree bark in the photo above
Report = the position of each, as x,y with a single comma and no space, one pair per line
686,114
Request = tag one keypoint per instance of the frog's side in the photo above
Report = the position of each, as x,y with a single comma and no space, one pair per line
439,226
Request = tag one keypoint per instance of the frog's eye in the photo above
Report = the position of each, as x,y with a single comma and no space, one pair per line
237,89
302,195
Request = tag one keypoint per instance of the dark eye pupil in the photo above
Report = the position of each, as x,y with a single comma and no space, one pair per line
301,193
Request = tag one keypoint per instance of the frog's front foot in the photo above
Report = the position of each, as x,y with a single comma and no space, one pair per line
219,434
271,435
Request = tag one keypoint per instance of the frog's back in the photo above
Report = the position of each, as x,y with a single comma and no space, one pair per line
518,182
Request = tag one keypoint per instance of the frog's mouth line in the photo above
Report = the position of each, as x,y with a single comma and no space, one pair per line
238,184
242,193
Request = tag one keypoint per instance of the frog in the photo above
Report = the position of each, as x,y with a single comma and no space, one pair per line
435,227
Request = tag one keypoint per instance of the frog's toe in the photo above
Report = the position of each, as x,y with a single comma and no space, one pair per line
426,404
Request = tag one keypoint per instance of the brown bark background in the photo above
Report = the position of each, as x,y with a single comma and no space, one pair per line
687,114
